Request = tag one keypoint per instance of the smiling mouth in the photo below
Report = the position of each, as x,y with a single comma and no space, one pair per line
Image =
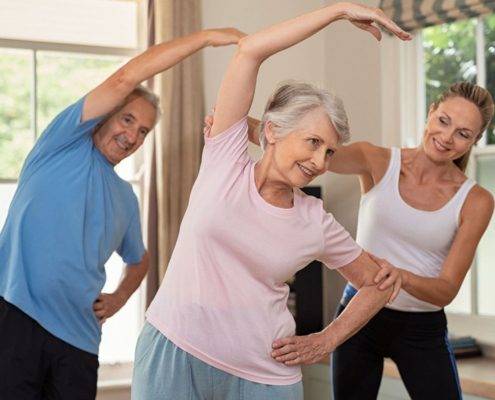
439,146
307,172
122,143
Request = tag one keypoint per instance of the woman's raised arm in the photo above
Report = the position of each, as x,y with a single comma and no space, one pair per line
237,90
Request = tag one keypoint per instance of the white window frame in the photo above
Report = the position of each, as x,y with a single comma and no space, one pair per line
138,156
403,120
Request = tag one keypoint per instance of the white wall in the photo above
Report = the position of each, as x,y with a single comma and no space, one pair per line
352,71
341,58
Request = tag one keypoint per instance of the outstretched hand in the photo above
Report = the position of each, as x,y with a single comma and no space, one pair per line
223,36
369,18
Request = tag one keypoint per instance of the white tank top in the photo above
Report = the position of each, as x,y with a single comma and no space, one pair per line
412,239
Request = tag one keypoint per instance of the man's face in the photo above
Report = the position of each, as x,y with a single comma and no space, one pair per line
124,132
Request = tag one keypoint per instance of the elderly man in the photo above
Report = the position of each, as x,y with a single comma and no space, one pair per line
70,213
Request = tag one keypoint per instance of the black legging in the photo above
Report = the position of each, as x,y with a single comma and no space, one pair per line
416,341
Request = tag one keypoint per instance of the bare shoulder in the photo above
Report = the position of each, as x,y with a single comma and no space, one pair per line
479,205
377,158
376,153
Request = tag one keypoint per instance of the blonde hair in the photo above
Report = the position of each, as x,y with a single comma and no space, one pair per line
292,100
477,95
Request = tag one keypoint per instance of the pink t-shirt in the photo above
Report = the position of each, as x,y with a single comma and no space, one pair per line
224,296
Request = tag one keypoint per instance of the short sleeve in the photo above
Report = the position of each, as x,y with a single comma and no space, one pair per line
339,248
65,129
132,247
227,147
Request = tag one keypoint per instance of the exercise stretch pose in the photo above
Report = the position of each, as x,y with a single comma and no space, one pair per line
247,230
70,212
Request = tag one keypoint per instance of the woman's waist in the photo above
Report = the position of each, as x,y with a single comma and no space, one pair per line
237,338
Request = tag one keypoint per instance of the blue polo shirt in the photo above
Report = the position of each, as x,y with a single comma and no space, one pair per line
70,212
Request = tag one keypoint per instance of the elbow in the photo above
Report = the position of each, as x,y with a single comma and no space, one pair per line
446,296
145,263
444,301
247,50
122,81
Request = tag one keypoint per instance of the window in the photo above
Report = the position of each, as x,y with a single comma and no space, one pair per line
465,50
52,52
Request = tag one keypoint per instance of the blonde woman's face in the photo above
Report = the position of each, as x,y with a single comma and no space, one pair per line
452,129
304,154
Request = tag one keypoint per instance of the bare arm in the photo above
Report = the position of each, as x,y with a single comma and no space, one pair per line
366,303
108,304
237,89
475,216
109,94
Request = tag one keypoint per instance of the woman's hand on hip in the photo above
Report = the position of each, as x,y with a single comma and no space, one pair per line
389,275
367,18
302,350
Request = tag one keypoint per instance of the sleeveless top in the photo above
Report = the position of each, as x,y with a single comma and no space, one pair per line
409,238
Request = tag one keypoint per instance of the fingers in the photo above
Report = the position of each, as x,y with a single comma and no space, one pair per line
100,314
283,342
395,293
287,357
98,305
391,26
239,34
296,361
381,275
367,26
390,281
288,348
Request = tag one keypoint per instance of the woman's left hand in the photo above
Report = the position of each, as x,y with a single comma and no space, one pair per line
297,350
389,275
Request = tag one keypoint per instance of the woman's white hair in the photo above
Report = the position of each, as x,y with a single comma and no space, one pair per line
292,100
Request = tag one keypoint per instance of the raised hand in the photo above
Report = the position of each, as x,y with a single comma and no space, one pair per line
365,18
223,36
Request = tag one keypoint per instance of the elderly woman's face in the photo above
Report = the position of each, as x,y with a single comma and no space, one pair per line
304,154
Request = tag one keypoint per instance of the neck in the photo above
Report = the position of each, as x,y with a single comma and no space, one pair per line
424,168
269,181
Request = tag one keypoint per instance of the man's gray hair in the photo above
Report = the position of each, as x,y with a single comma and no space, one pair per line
150,97
292,100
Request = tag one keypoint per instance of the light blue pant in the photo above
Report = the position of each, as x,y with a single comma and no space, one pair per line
162,371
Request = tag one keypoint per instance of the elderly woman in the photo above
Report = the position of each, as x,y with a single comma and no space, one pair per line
247,229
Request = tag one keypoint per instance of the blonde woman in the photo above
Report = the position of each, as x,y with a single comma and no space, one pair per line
423,214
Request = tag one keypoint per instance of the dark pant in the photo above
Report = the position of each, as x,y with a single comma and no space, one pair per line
34,364
417,342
